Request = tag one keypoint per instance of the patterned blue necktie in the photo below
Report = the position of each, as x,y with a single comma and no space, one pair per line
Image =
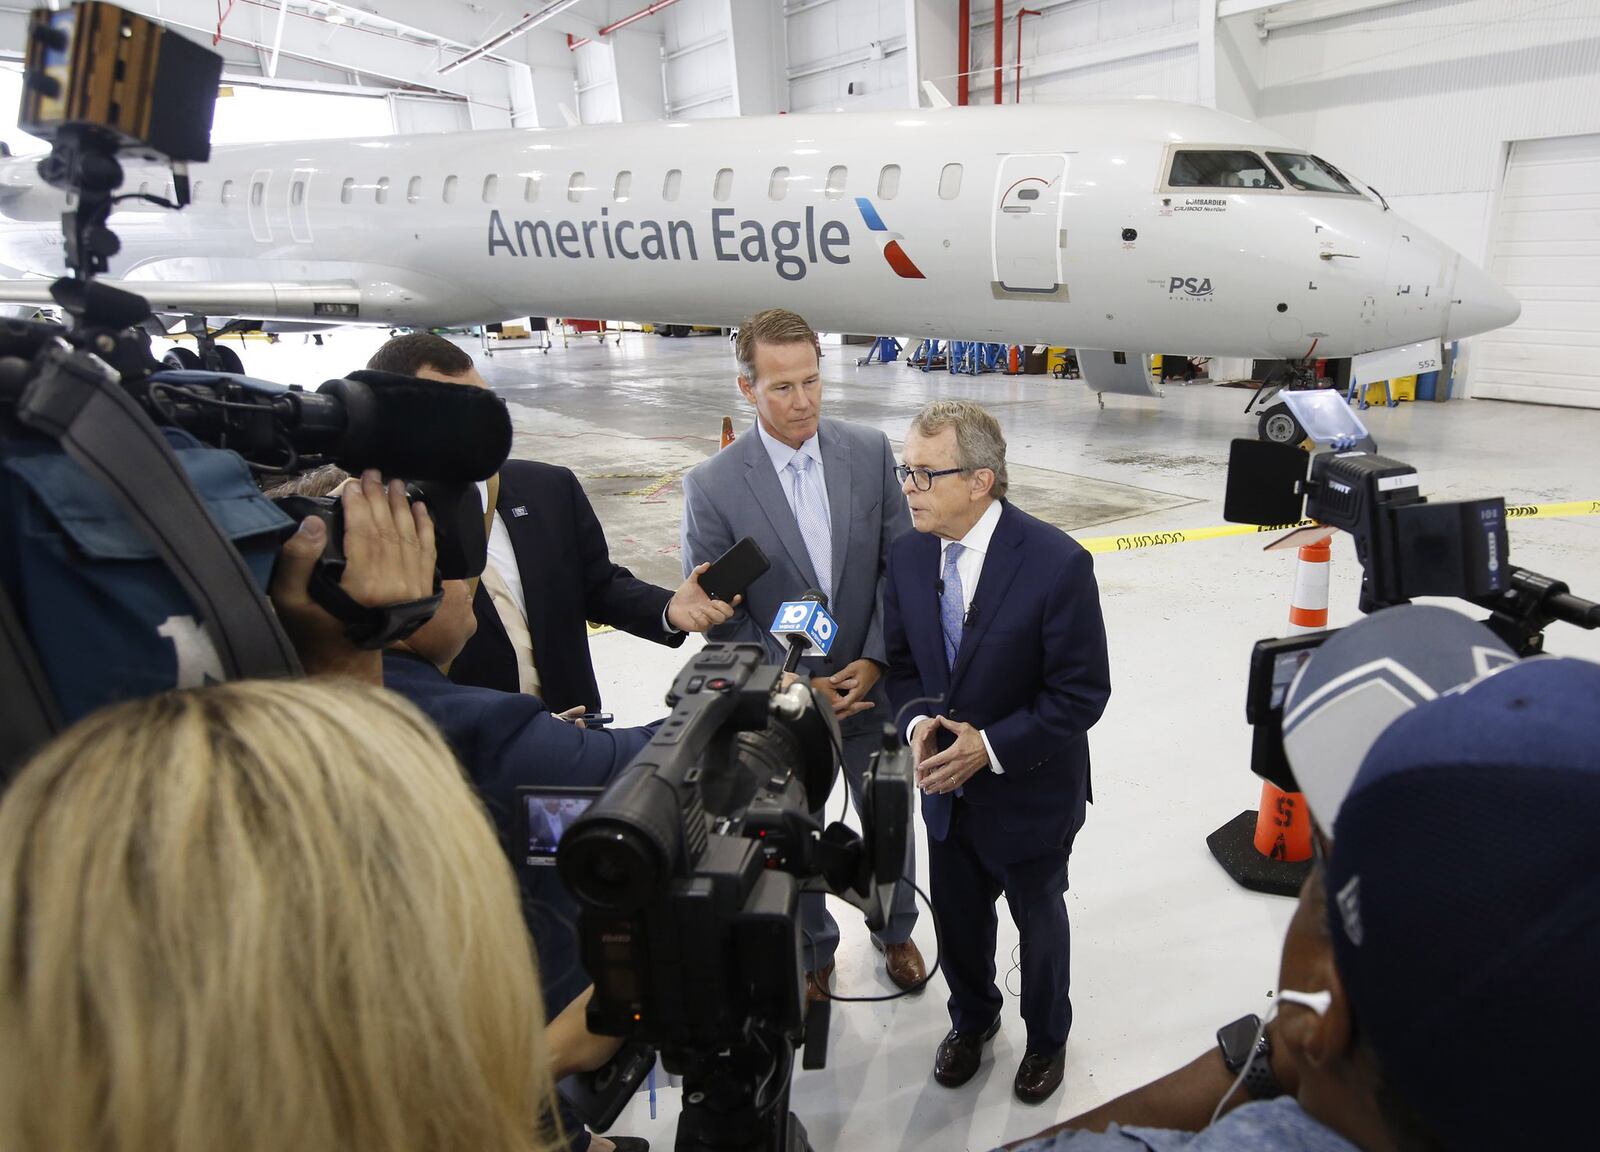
811,513
951,606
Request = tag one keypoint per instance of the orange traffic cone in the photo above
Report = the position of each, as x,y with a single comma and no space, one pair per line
1013,360
1269,850
727,432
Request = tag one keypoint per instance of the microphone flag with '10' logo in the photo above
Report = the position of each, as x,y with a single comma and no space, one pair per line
807,620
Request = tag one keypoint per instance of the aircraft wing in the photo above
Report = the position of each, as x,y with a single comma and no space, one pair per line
332,301
1127,373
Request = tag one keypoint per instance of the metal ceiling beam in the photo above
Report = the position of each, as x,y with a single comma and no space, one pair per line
521,27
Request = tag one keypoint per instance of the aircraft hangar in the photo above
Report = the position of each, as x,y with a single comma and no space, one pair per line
1134,231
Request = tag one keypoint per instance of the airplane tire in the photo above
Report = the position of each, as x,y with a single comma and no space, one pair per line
181,358
1278,425
227,360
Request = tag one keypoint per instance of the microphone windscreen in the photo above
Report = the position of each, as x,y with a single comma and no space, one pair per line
420,429
816,594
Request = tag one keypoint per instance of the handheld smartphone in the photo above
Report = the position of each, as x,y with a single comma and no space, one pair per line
598,1097
545,813
735,570
597,719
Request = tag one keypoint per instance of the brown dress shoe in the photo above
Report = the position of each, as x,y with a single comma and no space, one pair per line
959,1055
1038,1075
819,984
903,963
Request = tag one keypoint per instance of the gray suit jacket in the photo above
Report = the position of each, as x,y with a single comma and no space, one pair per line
736,493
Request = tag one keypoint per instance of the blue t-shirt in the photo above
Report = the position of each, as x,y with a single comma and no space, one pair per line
1279,1125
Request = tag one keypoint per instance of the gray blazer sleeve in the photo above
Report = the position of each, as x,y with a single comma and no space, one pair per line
707,535
895,520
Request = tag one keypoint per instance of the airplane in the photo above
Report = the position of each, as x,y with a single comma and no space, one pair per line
1119,229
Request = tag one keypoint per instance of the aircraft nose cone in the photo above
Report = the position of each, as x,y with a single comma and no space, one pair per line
1478,304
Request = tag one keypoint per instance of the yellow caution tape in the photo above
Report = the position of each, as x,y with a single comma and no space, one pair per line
1135,541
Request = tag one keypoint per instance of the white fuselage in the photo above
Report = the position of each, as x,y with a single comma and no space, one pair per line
1014,224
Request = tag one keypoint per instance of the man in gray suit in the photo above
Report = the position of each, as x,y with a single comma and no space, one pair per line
821,499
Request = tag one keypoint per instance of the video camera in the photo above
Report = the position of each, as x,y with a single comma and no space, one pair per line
1407,547
688,872
110,469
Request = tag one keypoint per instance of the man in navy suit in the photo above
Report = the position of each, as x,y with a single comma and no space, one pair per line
998,652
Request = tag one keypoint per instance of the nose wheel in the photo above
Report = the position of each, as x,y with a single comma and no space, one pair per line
1278,425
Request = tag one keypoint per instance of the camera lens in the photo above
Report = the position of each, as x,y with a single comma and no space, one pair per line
611,866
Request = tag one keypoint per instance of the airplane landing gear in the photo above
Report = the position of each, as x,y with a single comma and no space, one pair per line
208,355
1278,425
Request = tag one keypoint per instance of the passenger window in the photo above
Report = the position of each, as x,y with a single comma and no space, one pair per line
414,190
723,188
530,188
144,187
227,191
836,178
450,183
381,193
950,182
1310,174
889,182
621,186
297,194
196,190
670,186
491,188
778,186
347,190
258,190
1208,169
575,188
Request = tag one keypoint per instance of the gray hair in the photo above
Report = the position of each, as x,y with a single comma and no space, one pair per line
979,442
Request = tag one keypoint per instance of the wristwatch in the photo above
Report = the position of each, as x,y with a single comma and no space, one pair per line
1245,1041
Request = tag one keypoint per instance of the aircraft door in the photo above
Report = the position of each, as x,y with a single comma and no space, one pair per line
256,205
1027,221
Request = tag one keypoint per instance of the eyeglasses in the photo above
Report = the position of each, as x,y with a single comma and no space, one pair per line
923,478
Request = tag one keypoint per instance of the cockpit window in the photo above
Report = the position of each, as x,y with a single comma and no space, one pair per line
1311,174
1218,169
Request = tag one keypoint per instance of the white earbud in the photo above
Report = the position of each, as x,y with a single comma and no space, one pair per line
1318,1002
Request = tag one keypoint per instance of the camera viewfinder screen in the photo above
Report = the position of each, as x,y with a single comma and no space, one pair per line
1284,668
550,814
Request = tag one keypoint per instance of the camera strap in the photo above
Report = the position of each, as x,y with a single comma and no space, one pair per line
28,713
78,401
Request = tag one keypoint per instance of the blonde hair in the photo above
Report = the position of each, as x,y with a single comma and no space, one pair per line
773,326
979,441
262,915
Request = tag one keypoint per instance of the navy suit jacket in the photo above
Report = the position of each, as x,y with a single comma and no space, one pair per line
507,740
567,578
1031,673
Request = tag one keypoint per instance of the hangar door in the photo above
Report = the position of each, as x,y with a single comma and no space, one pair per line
1545,250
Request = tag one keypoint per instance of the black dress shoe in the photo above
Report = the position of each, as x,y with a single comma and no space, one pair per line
960,1053
1039,1074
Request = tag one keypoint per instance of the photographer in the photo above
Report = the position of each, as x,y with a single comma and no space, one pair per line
266,915
1435,977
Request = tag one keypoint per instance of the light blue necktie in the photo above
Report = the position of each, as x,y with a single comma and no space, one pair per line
811,512
951,606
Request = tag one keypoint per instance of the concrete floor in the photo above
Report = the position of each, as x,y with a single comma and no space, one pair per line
1166,948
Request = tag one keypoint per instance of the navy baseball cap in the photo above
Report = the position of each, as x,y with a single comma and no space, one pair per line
1463,886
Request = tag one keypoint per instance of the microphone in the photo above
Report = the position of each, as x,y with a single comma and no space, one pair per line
806,627
972,614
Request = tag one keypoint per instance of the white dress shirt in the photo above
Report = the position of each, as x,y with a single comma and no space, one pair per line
969,565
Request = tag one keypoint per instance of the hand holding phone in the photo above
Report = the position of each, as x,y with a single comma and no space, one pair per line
735,570
597,719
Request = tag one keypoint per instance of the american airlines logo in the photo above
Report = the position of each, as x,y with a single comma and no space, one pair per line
888,242
792,247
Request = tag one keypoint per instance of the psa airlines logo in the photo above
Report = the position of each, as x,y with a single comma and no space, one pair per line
888,242
1195,286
